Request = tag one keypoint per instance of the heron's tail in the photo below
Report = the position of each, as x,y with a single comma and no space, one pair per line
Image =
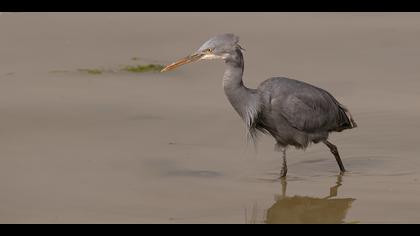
352,124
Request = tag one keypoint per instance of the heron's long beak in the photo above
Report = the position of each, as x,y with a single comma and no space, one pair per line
183,61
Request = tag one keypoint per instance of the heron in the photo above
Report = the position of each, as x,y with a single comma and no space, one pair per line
293,112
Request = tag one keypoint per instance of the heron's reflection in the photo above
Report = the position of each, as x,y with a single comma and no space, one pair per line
309,210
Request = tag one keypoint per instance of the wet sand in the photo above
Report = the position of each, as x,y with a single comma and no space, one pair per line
168,148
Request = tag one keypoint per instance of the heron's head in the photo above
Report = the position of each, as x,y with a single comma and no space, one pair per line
218,47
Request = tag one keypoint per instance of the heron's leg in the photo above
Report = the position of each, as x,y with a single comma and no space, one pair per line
283,171
334,151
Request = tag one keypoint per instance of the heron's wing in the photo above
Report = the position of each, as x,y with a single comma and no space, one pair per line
304,106
310,110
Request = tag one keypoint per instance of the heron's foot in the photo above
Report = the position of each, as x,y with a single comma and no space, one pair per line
334,151
283,172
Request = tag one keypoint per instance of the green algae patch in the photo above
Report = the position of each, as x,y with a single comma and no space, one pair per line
144,68
139,68
91,71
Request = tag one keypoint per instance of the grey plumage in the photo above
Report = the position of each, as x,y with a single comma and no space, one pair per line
297,113
293,112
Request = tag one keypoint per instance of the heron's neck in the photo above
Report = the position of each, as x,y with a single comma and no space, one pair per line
244,100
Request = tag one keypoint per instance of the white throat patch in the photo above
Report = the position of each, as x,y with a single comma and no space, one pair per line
212,57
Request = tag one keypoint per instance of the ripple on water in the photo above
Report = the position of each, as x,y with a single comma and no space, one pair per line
378,165
357,165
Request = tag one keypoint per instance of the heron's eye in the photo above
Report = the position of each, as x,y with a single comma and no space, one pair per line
209,50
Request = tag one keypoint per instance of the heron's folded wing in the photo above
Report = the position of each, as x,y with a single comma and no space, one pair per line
308,112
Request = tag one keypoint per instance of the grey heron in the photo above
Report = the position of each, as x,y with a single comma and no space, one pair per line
293,112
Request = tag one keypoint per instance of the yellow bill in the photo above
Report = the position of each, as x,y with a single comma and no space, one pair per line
183,61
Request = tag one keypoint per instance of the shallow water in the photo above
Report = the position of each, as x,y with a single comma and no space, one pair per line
168,148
